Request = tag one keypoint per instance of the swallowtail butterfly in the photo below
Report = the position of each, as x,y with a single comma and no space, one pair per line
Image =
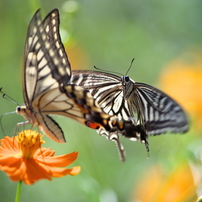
152,111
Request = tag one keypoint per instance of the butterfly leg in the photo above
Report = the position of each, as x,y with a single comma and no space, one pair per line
21,124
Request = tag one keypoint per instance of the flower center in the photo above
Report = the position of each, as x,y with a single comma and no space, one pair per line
29,141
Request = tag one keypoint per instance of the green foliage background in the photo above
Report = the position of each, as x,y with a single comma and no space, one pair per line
110,33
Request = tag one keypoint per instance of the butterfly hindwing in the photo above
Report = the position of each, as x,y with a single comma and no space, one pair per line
73,102
50,127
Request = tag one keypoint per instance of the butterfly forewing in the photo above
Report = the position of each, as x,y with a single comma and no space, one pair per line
107,90
51,25
41,59
161,112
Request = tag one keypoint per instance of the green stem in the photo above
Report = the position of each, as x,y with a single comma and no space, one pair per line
18,192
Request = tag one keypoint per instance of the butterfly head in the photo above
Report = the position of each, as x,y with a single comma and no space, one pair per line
128,86
27,114
125,80
20,109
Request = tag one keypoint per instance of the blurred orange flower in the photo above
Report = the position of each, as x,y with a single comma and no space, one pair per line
77,57
182,79
178,186
23,159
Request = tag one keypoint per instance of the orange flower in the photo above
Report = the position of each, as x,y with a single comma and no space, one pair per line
176,186
23,159
75,52
182,79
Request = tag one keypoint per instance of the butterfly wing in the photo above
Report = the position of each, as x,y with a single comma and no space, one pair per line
106,88
43,68
73,102
161,113
51,25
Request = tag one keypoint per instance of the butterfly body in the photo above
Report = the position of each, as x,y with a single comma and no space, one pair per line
127,86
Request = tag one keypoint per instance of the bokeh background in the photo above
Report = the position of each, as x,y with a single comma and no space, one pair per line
165,39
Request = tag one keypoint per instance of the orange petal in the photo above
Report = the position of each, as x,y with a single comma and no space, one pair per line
8,146
58,161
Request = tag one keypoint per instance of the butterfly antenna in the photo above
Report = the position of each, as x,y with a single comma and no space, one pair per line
102,70
131,63
7,97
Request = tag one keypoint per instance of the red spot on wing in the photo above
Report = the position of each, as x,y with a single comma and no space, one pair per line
93,125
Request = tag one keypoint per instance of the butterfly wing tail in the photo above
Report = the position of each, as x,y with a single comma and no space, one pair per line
50,127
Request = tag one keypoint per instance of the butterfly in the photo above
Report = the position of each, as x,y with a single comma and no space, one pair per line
149,110
47,89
